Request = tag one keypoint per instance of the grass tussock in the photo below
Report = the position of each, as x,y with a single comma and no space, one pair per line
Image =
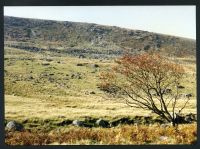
127,134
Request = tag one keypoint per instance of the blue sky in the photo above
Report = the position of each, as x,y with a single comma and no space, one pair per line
172,20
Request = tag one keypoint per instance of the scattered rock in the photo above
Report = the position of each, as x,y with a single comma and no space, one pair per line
165,125
102,123
163,138
49,60
188,95
50,79
77,123
168,90
14,126
31,77
61,116
179,119
92,92
188,119
81,56
79,64
86,92
45,64
125,120
180,87
147,47
65,122
95,65
76,75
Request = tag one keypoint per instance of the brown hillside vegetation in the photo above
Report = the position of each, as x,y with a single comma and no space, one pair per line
127,134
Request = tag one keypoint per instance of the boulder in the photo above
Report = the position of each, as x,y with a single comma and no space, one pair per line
102,123
79,64
188,95
165,125
92,92
147,47
64,122
76,76
188,119
168,90
45,64
14,126
95,65
179,119
77,123
81,56
30,78
180,87
163,138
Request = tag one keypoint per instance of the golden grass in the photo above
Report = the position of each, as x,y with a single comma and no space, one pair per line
46,100
71,107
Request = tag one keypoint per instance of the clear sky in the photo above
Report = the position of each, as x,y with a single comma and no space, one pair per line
172,20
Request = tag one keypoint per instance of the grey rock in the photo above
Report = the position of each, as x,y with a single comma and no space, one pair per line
147,47
163,138
188,119
180,87
102,123
188,95
14,126
165,125
77,123
168,90
92,92
31,77
45,64
95,65
179,119
76,76
79,64
49,60
81,56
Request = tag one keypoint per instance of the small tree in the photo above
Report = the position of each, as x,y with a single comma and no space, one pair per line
147,81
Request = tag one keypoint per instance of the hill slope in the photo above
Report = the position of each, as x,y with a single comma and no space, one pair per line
66,35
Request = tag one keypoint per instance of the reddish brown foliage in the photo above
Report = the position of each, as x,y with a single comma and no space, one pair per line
147,81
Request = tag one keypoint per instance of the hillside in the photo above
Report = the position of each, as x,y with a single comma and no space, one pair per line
89,39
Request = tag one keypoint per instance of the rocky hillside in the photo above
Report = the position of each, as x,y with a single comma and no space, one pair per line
85,38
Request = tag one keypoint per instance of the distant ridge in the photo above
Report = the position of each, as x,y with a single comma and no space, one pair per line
70,35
